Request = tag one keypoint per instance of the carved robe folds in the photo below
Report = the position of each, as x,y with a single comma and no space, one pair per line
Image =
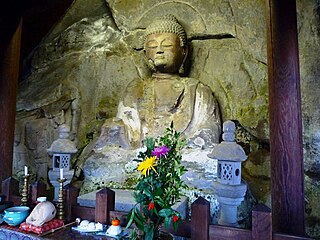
149,106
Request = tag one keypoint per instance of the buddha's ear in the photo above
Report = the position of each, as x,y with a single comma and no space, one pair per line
185,55
186,52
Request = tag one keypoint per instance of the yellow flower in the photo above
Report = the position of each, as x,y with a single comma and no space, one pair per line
145,166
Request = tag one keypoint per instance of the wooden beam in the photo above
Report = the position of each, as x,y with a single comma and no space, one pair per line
10,32
279,236
261,223
218,232
183,230
286,151
87,213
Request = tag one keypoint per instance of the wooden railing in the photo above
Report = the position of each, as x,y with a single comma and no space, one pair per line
198,228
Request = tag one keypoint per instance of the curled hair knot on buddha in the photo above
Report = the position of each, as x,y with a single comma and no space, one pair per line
168,24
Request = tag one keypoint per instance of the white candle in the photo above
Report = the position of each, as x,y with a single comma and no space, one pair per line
25,170
61,173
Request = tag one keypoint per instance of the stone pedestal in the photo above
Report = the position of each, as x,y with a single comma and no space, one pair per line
124,201
229,198
54,175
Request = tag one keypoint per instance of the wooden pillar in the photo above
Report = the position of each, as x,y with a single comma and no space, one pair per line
37,189
10,36
105,202
285,118
10,188
200,219
70,201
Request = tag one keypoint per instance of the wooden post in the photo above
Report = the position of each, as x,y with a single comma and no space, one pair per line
105,202
261,223
10,187
288,210
200,219
71,195
37,189
9,72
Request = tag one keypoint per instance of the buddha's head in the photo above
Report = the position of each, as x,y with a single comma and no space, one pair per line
166,45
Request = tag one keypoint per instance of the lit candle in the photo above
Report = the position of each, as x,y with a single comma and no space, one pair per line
25,170
61,173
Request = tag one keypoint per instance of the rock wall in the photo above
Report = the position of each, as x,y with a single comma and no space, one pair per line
80,70
309,51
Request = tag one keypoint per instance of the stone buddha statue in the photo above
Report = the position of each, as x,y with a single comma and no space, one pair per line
150,105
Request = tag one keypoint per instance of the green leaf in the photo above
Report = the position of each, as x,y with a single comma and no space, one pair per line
175,225
149,142
131,214
149,230
167,212
140,222
133,235
148,193
158,192
167,221
139,215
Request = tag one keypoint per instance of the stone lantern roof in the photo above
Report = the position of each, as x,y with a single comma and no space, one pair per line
63,144
228,150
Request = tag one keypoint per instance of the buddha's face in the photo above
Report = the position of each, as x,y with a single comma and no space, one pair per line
164,51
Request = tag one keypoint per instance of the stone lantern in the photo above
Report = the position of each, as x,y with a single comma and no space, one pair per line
228,188
61,151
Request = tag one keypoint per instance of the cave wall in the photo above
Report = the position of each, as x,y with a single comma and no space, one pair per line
81,68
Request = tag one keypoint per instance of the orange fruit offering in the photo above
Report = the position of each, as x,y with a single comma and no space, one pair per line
115,222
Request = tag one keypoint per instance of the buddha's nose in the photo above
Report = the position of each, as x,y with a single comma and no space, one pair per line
159,50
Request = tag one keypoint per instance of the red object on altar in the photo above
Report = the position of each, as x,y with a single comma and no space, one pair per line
54,223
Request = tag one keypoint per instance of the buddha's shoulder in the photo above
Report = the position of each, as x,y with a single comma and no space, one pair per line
193,82
137,85
189,81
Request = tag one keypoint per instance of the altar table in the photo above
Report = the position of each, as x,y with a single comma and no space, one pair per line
13,233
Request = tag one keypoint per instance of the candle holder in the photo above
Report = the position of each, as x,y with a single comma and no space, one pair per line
25,190
60,211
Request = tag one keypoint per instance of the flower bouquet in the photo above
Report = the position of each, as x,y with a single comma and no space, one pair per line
159,186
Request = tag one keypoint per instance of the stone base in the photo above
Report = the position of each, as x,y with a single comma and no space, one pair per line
114,167
125,201
229,198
